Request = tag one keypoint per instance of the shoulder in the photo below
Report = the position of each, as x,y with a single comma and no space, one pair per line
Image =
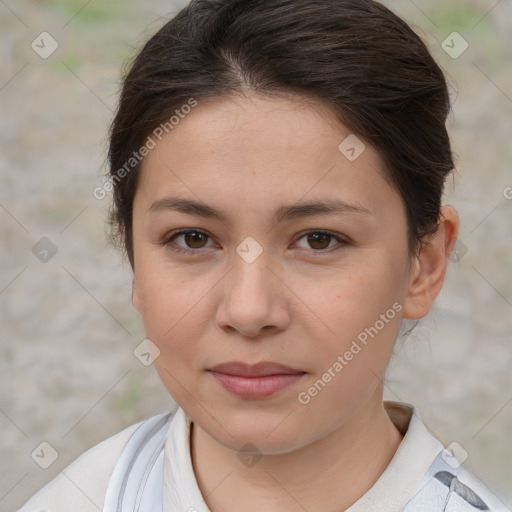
429,477
82,485
466,484
450,486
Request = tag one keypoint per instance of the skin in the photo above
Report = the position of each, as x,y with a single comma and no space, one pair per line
301,302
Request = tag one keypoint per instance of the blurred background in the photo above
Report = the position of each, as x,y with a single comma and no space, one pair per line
68,374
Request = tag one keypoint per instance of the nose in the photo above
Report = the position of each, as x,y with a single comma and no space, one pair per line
253,300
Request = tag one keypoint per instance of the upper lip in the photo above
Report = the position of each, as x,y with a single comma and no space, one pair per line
254,370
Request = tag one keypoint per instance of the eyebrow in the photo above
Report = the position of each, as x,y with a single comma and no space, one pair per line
287,212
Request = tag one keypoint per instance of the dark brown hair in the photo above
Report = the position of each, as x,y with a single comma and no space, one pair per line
364,62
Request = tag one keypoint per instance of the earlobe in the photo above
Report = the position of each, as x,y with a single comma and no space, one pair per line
429,268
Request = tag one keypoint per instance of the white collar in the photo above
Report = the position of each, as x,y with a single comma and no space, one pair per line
391,492
411,462
181,491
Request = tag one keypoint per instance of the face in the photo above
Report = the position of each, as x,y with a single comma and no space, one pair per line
231,265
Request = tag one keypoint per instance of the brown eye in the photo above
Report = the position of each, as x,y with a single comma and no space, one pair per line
319,240
195,239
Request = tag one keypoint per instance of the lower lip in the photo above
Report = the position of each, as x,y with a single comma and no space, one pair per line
256,387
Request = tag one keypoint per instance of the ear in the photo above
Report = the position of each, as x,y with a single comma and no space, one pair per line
135,296
429,268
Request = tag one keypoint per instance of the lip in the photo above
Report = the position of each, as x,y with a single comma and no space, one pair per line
257,380
263,368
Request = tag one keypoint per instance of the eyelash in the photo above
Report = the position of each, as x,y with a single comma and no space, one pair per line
172,236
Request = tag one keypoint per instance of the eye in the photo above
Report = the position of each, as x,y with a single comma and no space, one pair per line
321,240
193,238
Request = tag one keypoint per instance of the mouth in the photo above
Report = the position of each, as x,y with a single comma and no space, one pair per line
255,381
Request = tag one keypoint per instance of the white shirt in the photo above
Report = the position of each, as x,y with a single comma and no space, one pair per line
82,486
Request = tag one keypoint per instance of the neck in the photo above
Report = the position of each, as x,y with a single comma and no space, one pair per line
328,475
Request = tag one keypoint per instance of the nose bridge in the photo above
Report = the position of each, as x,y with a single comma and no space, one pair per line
250,293
250,275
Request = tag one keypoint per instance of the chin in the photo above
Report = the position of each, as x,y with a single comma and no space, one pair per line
265,430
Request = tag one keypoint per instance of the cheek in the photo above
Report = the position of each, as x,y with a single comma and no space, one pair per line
172,316
174,319
176,314
355,298
168,294
353,360
360,313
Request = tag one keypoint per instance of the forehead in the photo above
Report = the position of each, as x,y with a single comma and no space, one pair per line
266,150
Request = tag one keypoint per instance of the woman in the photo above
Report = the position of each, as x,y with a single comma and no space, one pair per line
277,169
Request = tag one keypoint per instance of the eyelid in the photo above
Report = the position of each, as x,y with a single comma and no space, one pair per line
175,234
167,240
342,241
184,231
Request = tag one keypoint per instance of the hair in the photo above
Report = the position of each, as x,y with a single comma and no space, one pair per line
361,60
